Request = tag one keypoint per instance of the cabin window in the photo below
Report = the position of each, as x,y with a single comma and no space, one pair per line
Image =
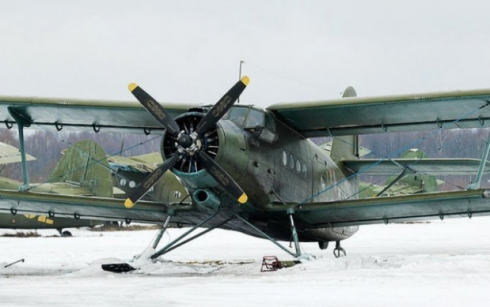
298,166
304,170
284,158
291,161
322,182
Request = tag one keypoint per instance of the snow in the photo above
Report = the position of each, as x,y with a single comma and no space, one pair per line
442,263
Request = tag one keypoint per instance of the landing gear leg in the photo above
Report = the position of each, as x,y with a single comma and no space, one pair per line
150,250
294,233
338,249
300,256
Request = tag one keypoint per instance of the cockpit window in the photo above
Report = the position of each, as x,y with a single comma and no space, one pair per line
237,115
255,119
245,117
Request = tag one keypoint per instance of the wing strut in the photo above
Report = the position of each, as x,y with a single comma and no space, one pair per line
476,185
21,123
402,175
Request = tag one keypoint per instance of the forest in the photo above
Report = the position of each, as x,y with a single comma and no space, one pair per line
47,146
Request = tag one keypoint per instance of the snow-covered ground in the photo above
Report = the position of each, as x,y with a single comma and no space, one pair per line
444,263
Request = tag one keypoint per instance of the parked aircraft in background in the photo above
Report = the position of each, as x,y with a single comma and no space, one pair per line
400,185
84,169
73,175
128,172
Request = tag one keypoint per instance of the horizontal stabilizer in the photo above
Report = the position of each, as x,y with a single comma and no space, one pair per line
140,164
10,154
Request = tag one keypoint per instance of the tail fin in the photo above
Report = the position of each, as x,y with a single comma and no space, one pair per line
85,163
346,147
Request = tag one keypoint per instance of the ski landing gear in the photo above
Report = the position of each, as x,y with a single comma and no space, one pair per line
149,255
338,249
143,257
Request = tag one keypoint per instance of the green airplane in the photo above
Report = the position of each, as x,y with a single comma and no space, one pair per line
129,171
254,170
87,179
86,170
405,184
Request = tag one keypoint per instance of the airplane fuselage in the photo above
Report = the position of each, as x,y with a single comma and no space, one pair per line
271,163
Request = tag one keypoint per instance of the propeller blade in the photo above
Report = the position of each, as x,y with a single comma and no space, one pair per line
222,106
154,108
150,181
222,177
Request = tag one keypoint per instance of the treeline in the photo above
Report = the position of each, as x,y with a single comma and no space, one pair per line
47,146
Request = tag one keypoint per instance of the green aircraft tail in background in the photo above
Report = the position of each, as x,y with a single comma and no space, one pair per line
82,170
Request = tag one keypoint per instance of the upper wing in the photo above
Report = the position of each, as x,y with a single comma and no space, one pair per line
62,113
94,208
389,209
421,166
351,116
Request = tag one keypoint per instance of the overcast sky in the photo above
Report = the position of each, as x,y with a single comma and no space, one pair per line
189,51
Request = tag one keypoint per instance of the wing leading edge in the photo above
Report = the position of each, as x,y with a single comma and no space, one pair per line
354,116
80,115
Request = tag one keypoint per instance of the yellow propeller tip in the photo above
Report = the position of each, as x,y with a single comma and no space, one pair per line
245,80
128,203
132,86
243,199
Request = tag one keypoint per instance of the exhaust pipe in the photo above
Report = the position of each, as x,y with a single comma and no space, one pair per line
206,198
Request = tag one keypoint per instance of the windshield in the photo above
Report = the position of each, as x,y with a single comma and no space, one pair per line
245,117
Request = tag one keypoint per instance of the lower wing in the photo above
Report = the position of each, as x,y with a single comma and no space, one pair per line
387,209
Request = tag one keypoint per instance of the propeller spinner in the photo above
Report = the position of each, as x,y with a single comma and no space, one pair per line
188,144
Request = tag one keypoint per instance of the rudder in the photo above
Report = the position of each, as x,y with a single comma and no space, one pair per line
85,163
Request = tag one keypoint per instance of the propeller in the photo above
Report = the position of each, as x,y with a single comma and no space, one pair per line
188,143
154,108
